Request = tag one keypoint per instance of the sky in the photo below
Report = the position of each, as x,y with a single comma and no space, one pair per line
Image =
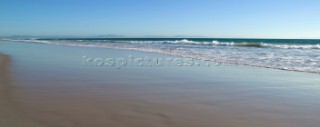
162,18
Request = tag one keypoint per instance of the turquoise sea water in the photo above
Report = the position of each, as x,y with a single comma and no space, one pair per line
286,54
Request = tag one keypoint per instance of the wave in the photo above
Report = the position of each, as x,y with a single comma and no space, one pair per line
186,41
232,44
244,44
286,46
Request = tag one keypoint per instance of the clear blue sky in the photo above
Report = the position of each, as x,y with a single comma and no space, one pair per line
136,18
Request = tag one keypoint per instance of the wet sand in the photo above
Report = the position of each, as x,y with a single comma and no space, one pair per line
81,107
65,93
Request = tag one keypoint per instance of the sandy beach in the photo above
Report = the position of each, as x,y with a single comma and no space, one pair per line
54,89
159,63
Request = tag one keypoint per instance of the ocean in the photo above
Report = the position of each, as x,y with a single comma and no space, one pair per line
301,55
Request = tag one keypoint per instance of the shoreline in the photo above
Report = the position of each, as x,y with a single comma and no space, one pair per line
226,62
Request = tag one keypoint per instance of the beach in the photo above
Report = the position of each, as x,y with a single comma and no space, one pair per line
50,86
